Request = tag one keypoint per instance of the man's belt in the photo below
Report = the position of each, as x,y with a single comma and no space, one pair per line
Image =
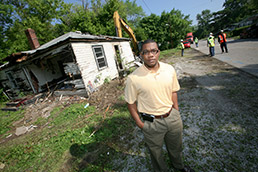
150,117
162,116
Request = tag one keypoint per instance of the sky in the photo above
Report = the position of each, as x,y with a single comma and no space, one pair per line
187,7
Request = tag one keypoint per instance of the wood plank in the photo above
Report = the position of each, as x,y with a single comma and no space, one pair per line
81,92
10,109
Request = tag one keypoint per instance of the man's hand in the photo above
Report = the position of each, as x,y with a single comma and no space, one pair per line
133,111
140,124
174,100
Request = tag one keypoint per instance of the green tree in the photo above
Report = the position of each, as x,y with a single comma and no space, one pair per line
166,29
180,26
52,18
35,14
6,11
80,19
134,13
97,18
150,25
204,20
237,10
234,11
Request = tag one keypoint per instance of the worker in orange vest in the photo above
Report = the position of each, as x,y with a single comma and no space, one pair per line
223,41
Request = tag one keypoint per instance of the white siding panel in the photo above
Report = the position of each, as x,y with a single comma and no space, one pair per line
87,63
126,52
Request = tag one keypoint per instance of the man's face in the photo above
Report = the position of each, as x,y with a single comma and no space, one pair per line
150,54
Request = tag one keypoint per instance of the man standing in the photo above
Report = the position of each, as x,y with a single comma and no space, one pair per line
223,41
151,90
196,42
182,48
211,44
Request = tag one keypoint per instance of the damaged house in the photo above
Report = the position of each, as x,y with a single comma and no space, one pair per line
74,61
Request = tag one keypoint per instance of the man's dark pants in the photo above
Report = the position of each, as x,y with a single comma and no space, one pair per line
167,129
222,46
212,51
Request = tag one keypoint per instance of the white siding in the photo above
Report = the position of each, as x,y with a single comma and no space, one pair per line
87,63
126,52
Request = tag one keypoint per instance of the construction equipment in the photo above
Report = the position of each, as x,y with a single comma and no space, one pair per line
120,22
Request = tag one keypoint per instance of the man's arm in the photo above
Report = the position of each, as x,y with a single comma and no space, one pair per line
133,111
174,100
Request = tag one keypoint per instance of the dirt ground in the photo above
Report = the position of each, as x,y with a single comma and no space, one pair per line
103,98
218,105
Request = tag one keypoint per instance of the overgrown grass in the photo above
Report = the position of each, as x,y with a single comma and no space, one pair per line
167,53
175,52
71,133
7,118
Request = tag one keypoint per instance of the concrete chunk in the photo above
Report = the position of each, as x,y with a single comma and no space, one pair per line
21,130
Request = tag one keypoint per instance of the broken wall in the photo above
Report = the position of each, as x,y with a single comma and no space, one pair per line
91,75
86,60
45,71
126,53
38,73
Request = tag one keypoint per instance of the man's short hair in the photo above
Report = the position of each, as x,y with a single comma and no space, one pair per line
148,41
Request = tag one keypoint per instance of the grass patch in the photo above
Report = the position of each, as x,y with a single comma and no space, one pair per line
167,53
72,134
7,118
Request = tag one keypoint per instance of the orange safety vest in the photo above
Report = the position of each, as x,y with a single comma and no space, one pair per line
221,38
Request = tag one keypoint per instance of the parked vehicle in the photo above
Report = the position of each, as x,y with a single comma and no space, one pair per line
187,44
189,37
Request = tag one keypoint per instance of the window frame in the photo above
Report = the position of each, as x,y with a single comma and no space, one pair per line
103,56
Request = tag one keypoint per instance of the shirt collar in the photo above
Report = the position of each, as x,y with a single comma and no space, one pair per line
158,71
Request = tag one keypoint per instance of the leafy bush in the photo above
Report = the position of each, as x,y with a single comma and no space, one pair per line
107,80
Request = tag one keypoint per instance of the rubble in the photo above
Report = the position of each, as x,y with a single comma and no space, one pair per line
2,165
23,129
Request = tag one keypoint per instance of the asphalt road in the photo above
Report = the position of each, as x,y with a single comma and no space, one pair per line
243,54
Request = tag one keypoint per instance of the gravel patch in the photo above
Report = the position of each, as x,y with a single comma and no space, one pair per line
218,105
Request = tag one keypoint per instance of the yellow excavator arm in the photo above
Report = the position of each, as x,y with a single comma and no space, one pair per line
120,22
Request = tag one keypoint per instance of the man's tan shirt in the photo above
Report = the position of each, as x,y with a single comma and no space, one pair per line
152,90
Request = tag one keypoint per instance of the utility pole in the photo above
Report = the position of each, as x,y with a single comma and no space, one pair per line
170,31
170,34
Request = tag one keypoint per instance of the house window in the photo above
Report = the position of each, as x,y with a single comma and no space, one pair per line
100,56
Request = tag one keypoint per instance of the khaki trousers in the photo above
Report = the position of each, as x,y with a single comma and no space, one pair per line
167,129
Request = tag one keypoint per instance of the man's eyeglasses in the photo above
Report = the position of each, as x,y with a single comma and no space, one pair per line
146,52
